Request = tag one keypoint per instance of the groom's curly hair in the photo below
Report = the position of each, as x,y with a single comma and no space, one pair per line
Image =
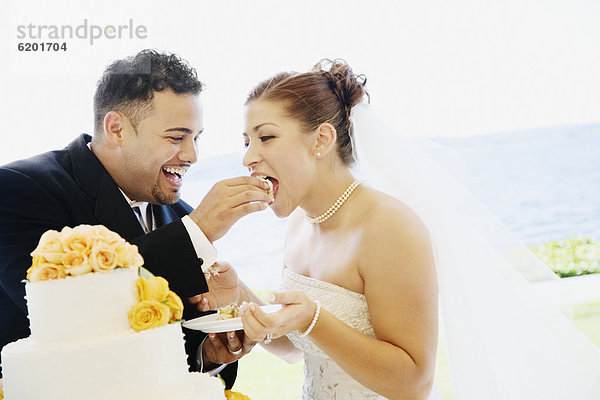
128,85
325,94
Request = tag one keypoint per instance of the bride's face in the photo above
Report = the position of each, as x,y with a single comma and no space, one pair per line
278,149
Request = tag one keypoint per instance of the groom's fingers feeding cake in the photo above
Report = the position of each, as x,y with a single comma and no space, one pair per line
98,331
270,190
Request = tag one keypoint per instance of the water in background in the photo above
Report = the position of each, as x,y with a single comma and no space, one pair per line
543,184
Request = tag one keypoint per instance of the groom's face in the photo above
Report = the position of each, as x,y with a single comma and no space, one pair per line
159,151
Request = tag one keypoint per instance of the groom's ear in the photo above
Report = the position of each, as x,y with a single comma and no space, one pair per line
326,136
113,127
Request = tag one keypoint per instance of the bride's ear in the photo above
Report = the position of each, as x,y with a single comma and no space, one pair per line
325,138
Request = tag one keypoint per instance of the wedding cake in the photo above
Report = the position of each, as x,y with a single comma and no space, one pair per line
100,333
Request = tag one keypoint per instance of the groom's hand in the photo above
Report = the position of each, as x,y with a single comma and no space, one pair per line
223,289
227,202
225,348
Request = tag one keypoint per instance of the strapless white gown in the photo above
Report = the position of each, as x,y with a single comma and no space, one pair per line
323,378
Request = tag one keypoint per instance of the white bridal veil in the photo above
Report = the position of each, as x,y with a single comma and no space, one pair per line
504,341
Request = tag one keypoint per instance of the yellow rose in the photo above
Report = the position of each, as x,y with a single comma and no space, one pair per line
121,248
103,258
102,234
175,305
49,247
230,395
148,314
78,239
37,260
128,255
44,272
76,263
155,288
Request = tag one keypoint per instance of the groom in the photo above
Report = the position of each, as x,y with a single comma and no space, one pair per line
148,118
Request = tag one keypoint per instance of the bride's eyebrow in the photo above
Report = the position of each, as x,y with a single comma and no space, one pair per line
257,128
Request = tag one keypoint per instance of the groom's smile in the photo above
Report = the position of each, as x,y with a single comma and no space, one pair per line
160,151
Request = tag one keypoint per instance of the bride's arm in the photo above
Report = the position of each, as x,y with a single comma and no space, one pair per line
281,347
397,267
284,349
226,288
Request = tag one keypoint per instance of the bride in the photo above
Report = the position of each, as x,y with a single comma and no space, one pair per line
362,266
362,269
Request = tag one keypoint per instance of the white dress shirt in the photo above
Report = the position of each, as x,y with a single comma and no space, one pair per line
203,247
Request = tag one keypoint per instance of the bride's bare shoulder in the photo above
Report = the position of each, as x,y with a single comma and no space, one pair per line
394,239
391,229
387,217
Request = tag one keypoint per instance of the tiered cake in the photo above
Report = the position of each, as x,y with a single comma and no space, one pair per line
82,346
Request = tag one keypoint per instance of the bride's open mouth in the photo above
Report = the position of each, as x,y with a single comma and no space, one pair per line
273,183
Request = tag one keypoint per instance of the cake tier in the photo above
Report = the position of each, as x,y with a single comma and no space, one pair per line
81,307
150,365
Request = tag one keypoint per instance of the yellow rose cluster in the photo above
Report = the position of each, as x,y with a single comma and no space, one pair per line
157,305
81,250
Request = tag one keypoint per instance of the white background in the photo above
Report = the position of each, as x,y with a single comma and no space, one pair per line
438,68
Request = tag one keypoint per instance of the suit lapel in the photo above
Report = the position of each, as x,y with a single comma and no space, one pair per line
112,210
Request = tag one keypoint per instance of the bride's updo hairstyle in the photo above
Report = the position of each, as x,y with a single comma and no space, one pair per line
325,94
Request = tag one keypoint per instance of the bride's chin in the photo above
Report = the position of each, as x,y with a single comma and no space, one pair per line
281,212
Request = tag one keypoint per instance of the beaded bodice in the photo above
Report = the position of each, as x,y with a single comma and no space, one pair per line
324,379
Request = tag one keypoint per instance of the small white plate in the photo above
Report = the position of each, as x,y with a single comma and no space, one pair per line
209,323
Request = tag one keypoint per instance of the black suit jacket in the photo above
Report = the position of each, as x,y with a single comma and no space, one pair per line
70,187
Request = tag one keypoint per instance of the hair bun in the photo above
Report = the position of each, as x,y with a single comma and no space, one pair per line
349,87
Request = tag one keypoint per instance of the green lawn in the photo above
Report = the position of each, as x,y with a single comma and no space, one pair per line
263,376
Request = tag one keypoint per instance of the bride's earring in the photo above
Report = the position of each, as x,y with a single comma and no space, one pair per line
319,155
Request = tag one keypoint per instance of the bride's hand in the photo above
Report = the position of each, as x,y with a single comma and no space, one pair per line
223,289
297,314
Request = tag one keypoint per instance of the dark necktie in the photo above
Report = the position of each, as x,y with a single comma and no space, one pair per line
145,222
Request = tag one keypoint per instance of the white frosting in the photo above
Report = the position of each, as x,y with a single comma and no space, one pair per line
81,307
149,365
82,347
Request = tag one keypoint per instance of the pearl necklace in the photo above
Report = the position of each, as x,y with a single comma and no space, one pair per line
335,206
